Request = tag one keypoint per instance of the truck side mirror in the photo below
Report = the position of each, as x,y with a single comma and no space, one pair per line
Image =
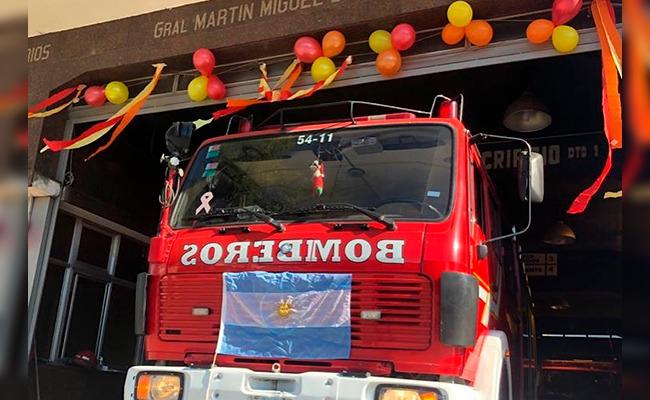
530,181
530,176
178,137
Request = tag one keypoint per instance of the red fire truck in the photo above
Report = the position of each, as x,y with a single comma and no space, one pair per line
439,302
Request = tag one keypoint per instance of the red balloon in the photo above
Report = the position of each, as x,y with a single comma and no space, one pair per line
204,61
307,49
216,88
564,11
94,96
403,37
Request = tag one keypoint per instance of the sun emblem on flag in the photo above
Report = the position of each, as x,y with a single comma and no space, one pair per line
285,308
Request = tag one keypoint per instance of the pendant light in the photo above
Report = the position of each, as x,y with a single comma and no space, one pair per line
526,114
559,234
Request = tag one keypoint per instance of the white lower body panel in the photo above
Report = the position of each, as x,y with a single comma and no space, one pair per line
243,384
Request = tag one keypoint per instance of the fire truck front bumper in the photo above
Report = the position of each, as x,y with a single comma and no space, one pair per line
185,383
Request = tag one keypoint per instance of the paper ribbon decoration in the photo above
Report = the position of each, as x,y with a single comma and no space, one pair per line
638,95
611,51
270,94
613,195
120,119
38,110
205,203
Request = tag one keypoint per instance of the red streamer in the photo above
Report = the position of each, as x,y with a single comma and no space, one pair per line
55,98
611,104
58,145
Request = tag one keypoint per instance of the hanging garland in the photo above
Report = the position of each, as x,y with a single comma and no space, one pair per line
119,120
387,45
270,94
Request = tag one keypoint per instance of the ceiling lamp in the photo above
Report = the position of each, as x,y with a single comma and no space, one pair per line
527,114
560,305
559,234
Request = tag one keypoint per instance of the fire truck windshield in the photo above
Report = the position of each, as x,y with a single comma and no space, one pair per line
400,171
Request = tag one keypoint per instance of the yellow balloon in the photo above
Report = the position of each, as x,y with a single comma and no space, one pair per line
565,38
322,68
459,13
116,92
380,41
197,90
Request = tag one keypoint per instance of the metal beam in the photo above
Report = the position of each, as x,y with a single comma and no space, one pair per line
507,51
103,222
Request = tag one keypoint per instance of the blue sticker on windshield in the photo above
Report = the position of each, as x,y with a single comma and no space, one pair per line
214,151
210,169
433,193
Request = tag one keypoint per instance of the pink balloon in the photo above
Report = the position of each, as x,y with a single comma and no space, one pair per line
216,88
307,49
94,96
204,61
564,11
403,37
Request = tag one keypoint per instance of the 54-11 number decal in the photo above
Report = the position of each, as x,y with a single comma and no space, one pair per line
315,138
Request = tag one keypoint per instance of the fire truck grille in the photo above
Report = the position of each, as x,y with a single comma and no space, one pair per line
404,303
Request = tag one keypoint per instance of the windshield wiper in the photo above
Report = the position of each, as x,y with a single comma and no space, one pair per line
255,212
389,223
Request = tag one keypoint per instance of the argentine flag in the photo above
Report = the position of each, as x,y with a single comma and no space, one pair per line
286,315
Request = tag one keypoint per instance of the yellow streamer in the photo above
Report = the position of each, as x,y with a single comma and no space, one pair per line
60,108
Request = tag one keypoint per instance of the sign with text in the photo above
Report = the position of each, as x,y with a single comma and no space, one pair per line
233,15
540,264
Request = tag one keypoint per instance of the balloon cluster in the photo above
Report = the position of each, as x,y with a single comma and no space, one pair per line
309,51
206,85
564,37
461,25
388,45
115,92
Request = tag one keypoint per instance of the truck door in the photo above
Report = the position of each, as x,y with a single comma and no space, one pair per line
479,231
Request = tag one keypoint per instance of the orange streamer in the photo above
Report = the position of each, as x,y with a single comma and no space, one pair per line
133,110
611,103
286,82
98,130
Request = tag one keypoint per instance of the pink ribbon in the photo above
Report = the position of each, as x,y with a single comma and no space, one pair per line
205,203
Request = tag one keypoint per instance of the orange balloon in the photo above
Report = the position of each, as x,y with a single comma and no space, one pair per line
479,32
452,34
539,31
333,43
389,62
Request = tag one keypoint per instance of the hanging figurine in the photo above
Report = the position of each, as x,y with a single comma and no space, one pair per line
317,178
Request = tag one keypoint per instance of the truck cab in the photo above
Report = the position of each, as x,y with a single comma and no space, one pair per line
439,304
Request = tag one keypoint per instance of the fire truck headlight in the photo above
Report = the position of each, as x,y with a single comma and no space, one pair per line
159,386
407,393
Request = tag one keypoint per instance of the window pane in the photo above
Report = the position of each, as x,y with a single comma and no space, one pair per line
47,310
479,200
94,247
119,340
82,334
132,259
62,236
